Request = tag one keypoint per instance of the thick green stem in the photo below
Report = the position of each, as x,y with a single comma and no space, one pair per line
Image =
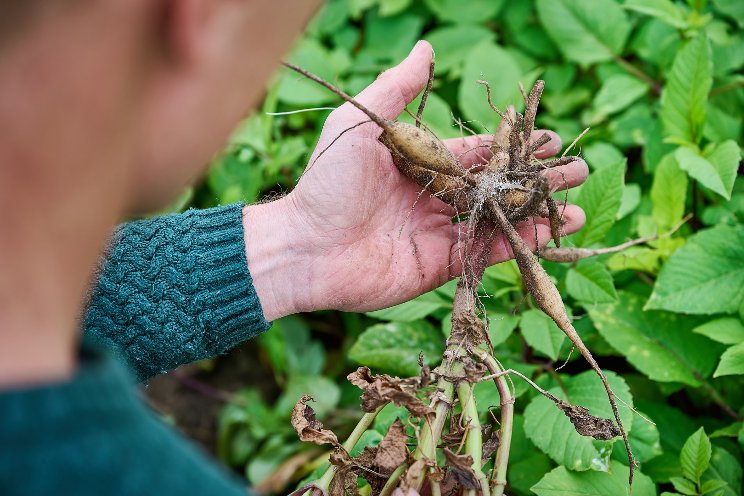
325,481
473,435
501,463
393,480
432,431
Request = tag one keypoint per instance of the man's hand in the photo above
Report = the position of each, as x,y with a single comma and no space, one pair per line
355,234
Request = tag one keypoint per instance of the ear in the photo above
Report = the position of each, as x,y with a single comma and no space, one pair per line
186,30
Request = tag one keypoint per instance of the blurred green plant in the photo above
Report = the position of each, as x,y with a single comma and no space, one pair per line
660,84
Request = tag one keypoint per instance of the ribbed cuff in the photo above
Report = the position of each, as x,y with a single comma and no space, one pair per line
228,307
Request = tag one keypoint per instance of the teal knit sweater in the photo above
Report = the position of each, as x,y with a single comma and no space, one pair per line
172,290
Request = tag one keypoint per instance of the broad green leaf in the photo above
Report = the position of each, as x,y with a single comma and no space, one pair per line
630,200
300,91
437,116
558,77
387,416
541,333
684,486
668,193
452,44
472,11
617,93
491,63
590,282
586,31
726,330
394,347
710,175
654,148
656,42
562,482
600,198
721,125
415,309
685,93
600,154
695,455
713,486
644,441
666,10
674,425
387,40
663,467
731,430
525,473
732,361
732,8
553,433
725,158
272,453
659,344
567,101
392,7
331,17
636,258
501,326
325,392
705,276
291,348
724,466
369,438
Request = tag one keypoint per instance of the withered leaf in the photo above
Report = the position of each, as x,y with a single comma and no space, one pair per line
425,376
344,482
473,370
392,451
340,457
462,468
307,427
382,389
491,445
587,424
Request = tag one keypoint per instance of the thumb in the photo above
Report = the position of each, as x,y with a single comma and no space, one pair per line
393,90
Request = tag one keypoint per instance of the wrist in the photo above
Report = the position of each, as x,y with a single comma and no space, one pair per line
278,259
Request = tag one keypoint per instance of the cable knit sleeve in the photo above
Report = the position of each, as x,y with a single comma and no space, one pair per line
174,289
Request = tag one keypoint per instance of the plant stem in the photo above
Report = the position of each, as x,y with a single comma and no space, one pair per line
473,434
432,431
655,85
393,480
325,481
725,88
500,464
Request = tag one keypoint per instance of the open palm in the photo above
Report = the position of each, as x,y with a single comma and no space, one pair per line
377,239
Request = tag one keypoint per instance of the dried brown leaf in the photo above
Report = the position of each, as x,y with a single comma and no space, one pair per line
307,427
587,424
382,389
491,445
392,451
462,468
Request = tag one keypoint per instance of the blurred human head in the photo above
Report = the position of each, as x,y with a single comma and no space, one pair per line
139,93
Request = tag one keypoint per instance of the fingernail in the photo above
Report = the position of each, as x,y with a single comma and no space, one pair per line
418,45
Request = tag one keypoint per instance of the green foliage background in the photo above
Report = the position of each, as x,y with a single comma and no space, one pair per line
659,82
